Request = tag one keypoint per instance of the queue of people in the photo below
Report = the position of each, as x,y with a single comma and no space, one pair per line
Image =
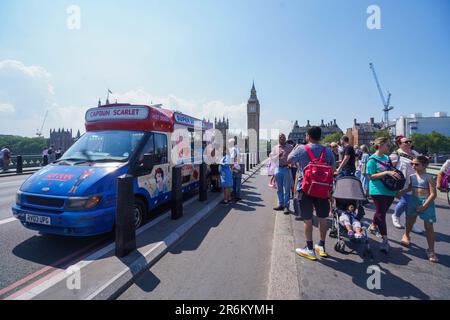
231,173
384,176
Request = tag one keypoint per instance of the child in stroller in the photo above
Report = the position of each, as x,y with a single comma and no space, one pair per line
348,196
349,220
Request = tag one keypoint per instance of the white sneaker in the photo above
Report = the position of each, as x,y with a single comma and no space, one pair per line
396,221
306,253
416,229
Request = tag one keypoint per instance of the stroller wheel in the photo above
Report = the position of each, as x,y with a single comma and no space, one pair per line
333,233
339,246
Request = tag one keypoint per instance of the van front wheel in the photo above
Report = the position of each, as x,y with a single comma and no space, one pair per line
139,212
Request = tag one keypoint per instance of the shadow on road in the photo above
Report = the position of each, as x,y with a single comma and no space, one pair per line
196,236
391,285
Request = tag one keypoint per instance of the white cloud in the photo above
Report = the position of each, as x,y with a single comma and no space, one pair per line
26,92
283,126
236,113
6,107
31,71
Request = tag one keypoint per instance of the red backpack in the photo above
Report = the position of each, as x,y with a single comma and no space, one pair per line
317,176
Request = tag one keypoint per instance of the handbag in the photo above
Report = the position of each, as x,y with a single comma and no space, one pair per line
390,182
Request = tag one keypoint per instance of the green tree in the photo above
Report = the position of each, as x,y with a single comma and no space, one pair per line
432,143
420,142
24,145
438,144
333,137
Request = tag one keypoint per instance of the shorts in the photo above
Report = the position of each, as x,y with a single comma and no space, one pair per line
308,204
429,215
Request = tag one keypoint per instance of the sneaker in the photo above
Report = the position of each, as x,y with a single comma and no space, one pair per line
286,210
373,229
321,251
416,229
396,222
384,247
298,218
279,208
306,253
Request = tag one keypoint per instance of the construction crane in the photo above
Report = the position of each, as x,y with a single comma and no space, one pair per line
386,102
39,132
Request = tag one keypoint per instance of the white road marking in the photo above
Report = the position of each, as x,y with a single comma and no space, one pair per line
5,221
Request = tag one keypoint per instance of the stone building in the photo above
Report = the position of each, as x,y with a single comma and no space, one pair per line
298,134
223,126
62,138
364,133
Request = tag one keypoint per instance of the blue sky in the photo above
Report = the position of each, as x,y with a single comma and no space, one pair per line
309,59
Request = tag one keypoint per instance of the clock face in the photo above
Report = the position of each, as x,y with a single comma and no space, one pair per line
252,108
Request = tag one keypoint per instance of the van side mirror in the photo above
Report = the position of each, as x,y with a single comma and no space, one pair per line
149,161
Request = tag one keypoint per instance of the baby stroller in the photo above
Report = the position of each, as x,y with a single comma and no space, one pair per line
348,190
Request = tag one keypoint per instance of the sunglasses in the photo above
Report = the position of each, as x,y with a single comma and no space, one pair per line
415,164
408,142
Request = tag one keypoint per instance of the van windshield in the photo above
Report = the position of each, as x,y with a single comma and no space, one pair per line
106,146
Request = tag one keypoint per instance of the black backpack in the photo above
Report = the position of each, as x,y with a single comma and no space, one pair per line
390,182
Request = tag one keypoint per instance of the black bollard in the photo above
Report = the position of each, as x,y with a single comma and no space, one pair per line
247,162
19,165
203,192
177,194
125,228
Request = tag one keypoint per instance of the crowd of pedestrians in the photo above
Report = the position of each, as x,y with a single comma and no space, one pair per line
384,176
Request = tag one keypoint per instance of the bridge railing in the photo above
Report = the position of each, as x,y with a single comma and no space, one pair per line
28,161
433,169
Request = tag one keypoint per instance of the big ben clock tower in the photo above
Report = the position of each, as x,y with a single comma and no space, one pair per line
253,122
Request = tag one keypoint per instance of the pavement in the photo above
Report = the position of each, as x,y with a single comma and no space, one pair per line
405,273
249,253
225,256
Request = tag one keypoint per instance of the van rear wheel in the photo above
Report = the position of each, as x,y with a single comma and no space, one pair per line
139,212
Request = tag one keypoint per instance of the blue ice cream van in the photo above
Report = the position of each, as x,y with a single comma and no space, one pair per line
76,195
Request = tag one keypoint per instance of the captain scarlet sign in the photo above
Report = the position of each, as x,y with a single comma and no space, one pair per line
117,113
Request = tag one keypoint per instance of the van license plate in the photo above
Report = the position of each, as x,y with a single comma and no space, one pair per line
31,218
